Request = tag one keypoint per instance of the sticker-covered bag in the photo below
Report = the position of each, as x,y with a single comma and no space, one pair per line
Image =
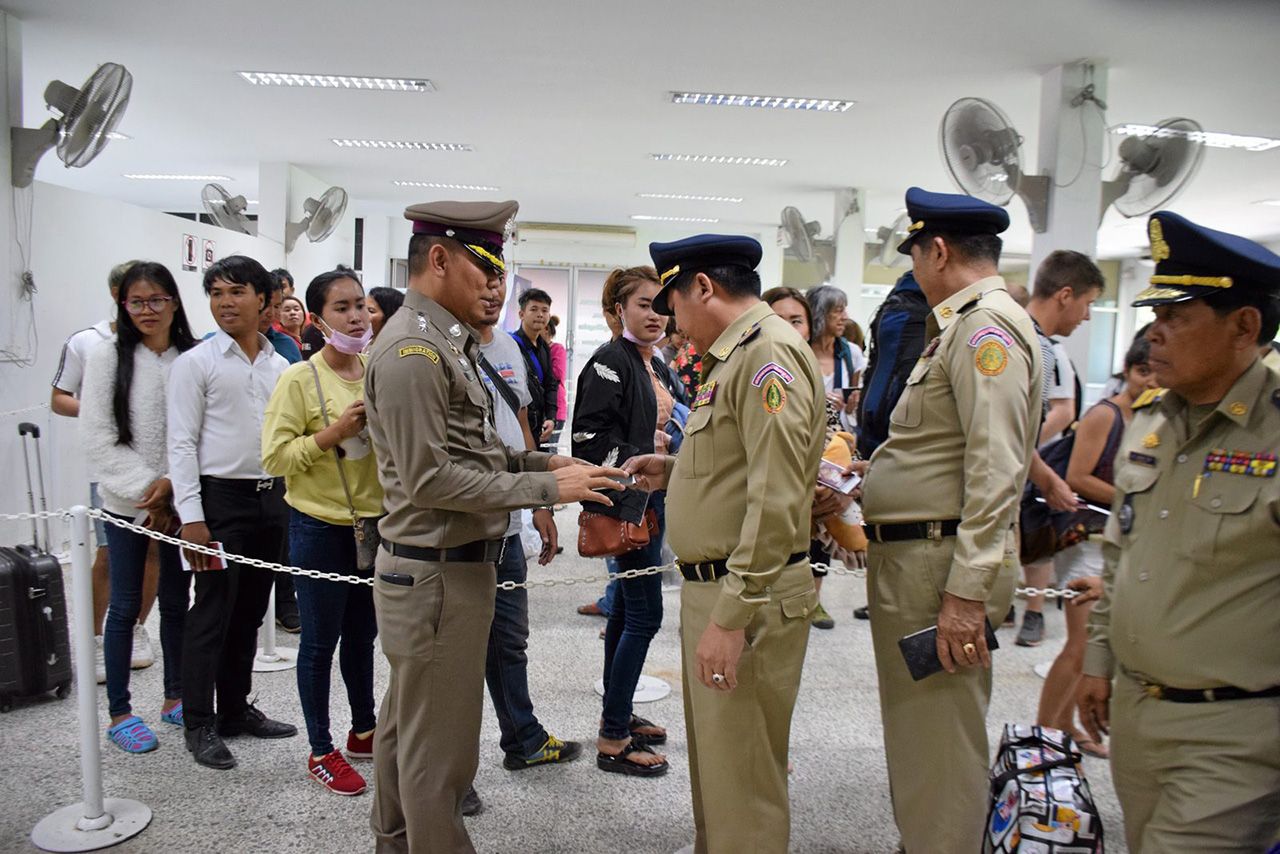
1041,801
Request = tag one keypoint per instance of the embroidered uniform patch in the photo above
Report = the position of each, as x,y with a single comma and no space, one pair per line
419,350
992,358
705,395
1240,462
771,369
774,395
990,333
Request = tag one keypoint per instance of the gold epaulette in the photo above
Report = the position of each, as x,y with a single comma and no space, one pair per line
1148,397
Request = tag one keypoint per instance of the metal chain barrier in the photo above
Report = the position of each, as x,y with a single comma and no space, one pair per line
856,572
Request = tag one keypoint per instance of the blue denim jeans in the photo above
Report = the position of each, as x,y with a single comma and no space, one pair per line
127,555
506,667
605,602
634,619
331,611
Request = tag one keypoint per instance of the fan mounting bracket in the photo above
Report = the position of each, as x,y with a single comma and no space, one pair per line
1034,192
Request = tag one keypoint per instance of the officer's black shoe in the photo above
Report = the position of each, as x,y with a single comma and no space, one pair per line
471,803
253,722
861,613
208,749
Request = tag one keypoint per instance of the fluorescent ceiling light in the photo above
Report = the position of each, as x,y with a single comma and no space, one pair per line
647,218
403,145
775,102
731,160
685,197
337,81
1275,202
1210,138
481,188
164,176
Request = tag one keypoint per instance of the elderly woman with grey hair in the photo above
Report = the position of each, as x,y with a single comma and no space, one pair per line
841,362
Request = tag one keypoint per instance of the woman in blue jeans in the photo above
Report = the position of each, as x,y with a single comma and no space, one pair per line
122,425
314,435
623,404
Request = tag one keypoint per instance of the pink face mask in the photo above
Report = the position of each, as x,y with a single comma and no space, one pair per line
344,343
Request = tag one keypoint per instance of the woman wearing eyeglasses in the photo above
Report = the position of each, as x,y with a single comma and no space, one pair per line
122,418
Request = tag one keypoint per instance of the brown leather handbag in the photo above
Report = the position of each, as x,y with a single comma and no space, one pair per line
608,536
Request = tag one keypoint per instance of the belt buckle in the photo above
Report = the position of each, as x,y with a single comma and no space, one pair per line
933,530
264,484
1210,696
1155,692
875,530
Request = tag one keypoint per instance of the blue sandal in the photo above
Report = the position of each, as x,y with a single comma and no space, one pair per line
173,716
133,736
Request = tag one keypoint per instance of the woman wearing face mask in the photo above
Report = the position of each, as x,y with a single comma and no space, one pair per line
320,446
122,425
623,403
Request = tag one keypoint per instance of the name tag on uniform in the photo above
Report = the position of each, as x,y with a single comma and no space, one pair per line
706,395
1142,459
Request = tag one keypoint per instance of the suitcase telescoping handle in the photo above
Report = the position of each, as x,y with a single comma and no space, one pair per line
25,429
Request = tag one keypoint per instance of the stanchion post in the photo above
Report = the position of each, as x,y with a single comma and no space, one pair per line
271,657
269,625
95,822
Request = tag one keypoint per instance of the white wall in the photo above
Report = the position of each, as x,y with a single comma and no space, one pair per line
76,239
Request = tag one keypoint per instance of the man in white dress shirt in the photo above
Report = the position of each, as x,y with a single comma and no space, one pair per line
218,392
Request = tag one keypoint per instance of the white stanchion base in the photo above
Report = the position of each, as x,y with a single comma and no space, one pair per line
1042,669
648,689
60,830
285,658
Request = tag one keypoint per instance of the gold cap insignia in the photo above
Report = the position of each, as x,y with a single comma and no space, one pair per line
674,271
1151,440
915,226
1159,249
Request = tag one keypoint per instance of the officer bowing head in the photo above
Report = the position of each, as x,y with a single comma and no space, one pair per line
953,240
706,281
455,255
1216,298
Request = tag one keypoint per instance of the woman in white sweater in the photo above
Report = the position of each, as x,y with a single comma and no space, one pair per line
122,427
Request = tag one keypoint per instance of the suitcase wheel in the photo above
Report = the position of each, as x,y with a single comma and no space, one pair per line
61,692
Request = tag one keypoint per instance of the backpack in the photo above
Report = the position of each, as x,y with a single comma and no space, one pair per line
896,342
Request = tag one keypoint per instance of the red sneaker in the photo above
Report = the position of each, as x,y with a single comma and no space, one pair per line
333,772
359,748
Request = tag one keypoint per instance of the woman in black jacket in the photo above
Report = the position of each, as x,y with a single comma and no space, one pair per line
622,405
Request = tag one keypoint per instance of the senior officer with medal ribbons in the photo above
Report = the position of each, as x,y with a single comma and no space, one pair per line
940,500
449,483
1183,658
738,508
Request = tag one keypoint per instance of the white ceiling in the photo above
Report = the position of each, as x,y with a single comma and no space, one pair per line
565,100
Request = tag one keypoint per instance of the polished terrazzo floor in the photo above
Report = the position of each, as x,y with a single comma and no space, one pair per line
839,793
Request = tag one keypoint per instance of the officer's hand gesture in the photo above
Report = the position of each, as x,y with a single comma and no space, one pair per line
718,652
579,483
1092,698
649,470
962,633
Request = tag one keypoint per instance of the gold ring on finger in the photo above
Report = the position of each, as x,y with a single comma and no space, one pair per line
970,649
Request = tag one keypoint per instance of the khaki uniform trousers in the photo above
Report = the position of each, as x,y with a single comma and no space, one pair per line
434,635
935,730
1195,776
738,739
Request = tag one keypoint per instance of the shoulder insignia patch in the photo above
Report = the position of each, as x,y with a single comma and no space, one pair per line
419,350
705,395
774,395
992,333
992,358
606,373
772,369
750,333
1148,397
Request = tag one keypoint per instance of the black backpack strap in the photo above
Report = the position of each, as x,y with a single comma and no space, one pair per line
500,385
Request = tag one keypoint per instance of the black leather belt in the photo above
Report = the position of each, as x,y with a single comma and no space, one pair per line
481,551
901,531
1205,695
710,570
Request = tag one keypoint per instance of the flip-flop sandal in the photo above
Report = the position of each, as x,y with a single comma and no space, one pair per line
173,716
1093,748
620,764
133,736
637,723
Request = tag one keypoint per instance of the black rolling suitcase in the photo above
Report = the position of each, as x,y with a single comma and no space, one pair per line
35,652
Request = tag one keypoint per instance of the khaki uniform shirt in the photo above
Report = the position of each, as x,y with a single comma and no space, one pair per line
962,434
446,476
742,485
1192,573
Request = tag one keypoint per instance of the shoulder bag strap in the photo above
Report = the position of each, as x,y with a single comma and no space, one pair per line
500,385
342,473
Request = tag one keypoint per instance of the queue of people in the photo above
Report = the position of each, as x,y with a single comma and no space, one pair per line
407,460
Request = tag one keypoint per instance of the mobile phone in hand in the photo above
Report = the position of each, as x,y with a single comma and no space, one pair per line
920,650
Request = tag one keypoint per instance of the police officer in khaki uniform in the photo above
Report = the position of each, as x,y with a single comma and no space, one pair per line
738,510
449,484
940,499
1188,626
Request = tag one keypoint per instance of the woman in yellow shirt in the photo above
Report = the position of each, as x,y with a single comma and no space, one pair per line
320,445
